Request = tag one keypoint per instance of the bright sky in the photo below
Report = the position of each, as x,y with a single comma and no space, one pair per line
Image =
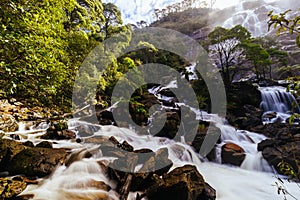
137,10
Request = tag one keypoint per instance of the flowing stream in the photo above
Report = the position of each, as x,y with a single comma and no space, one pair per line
278,101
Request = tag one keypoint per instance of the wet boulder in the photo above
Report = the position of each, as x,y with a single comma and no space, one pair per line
276,151
59,131
8,150
232,154
36,161
171,125
247,117
197,141
181,183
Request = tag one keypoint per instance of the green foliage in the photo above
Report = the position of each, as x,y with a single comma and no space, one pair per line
186,21
259,58
225,48
282,24
43,43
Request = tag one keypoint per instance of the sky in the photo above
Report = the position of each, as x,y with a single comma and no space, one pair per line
136,10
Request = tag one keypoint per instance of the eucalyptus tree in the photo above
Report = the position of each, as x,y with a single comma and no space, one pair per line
225,48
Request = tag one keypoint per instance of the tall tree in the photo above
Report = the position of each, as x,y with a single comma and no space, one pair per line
224,47
259,57
113,19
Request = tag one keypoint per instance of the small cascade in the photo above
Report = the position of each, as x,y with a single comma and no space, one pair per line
277,99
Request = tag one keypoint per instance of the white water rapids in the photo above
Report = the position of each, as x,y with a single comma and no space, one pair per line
231,183
255,179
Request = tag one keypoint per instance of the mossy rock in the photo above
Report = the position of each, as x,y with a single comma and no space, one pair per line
10,188
8,123
37,161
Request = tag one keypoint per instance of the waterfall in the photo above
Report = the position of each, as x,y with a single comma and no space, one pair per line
277,99
251,15
78,180
253,179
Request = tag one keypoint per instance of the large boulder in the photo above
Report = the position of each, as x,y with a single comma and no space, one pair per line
171,126
59,131
248,116
277,151
281,131
8,150
243,101
36,161
19,158
283,145
232,154
181,183
200,136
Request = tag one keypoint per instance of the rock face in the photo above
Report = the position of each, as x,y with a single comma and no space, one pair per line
232,154
243,107
200,137
283,145
16,158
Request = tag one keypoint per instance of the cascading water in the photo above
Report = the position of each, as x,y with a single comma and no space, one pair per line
79,180
76,181
252,15
277,99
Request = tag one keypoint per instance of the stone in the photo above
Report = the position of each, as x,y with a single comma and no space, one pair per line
8,150
200,137
232,154
275,151
270,115
248,116
59,131
44,144
37,161
86,130
10,188
181,183
8,123
171,126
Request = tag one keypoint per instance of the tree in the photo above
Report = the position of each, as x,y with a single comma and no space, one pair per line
277,57
259,57
43,44
113,20
224,47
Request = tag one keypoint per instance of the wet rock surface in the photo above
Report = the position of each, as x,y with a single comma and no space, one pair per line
198,140
11,187
181,183
16,158
232,154
283,144
59,130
